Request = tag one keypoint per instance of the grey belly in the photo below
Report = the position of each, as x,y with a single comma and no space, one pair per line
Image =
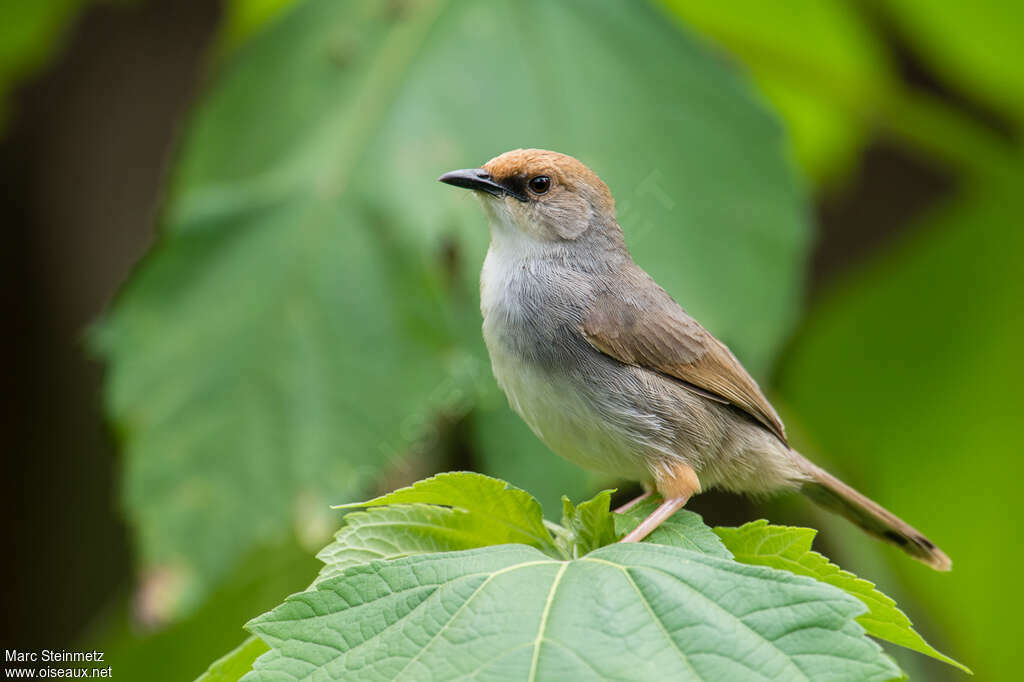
625,421
589,410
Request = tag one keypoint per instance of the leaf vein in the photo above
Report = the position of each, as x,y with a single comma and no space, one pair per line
544,621
650,611
440,630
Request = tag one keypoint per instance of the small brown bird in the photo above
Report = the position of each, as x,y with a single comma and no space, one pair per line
611,373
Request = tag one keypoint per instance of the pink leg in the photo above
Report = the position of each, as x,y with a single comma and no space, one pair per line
632,503
647,526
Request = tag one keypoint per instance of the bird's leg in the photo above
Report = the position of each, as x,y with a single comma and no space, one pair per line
676,483
632,503
655,519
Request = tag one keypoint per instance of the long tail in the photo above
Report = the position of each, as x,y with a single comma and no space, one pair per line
832,494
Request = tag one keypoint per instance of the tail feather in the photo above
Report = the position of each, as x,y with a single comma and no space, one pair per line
829,492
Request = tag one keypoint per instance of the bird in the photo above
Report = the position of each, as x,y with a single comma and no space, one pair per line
612,374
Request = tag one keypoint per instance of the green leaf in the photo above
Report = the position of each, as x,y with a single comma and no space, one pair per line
789,548
407,529
629,612
309,311
503,512
236,663
590,525
683,529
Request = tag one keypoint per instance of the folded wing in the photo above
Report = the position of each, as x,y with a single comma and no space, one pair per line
644,327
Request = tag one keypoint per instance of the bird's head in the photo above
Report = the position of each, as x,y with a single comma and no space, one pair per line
543,196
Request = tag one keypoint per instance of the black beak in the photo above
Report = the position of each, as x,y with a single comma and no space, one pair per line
478,179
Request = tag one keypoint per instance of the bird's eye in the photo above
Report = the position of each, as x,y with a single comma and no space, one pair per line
540,184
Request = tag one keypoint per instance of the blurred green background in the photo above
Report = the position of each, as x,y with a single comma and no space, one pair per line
833,188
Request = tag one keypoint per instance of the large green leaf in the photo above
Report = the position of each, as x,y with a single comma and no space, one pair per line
403,529
908,376
309,310
629,612
789,548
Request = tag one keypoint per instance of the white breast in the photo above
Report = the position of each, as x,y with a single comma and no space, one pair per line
557,406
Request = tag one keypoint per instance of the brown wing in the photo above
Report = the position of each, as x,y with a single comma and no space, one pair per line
643,326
